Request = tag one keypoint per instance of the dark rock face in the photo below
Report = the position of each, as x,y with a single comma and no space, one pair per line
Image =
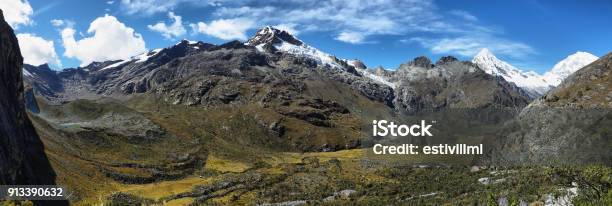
421,61
22,157
30,100
359,64
446,59
44,81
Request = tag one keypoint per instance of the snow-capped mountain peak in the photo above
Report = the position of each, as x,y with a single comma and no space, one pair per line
568,66
270,35
270,39
532,82
492,65
485,53
186,41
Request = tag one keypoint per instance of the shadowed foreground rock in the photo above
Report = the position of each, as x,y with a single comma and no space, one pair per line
22,157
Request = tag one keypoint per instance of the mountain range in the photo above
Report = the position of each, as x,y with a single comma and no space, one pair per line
141,73
270,39
169,114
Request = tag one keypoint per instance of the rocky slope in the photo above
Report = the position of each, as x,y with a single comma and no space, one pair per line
421,85
22,157
453,84
568,125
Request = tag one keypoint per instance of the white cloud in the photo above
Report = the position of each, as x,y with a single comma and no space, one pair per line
351,37
288,28
176,29
355,21
360,16
366,17
469,46
226,29
17,12
464,15
57,22
62,23
149,7
109,40
36,50
110,2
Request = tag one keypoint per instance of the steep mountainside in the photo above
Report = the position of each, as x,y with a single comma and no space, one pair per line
45,82
568,125
22,157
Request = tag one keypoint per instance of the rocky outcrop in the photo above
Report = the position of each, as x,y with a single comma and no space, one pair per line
44,81
22,157
421,61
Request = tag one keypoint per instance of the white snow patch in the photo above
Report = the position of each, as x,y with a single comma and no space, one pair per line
144,57
307,51
378,79
374,77
27,73
138,58
116,64
190,42
260,48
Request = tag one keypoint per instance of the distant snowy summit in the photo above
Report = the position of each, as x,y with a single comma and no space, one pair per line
568,66
270,39
535,84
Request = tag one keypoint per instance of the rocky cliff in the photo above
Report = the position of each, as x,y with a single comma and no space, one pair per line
22,157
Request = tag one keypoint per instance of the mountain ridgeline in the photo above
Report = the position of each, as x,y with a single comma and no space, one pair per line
287,95
196,73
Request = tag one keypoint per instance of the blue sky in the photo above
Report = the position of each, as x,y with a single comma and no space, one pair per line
532,35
